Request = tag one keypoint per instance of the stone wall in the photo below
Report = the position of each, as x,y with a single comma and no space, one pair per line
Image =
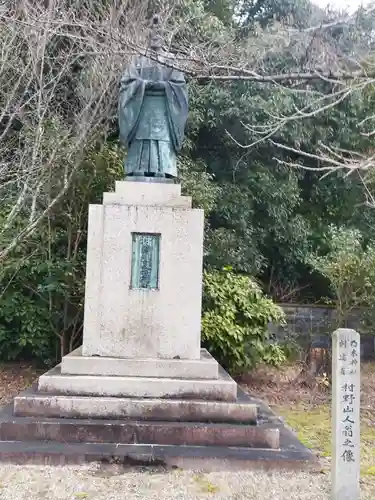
310,323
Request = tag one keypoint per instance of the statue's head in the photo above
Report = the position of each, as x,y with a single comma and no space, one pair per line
155,36
156,58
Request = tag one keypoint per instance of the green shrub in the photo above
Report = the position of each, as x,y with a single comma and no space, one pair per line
42,282
235,321
349,267
27,317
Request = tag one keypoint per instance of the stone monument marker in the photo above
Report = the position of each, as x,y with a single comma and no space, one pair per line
346,394
144,260
140,387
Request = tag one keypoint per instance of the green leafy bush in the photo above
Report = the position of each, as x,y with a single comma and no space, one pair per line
28,314
42,282
349,267
235,321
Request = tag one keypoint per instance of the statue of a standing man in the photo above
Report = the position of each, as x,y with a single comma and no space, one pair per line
153,109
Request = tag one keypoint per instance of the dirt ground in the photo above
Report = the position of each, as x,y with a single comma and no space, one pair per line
14,378
286,386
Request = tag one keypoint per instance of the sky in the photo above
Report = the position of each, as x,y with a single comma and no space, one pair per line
350,5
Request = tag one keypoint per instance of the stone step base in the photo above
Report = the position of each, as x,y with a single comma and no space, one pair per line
203,446
32,403
77,364
71,430
224,388
202,458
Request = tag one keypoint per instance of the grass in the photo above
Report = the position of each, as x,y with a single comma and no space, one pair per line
305,406
313,428
205,485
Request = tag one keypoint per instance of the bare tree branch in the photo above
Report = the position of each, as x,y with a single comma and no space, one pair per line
57,91
345,21
59,73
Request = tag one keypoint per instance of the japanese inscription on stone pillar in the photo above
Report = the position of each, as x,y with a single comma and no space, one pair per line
345,414
145,261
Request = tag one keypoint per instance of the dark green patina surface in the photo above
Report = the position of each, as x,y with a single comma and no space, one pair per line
153,108
145,261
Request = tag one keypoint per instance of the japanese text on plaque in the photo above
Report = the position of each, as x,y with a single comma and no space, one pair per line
349,358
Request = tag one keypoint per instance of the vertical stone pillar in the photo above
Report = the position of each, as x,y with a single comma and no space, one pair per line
144,274
346,393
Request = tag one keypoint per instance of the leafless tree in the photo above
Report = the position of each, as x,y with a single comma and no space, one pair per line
57,89
344,72
345,67
60,65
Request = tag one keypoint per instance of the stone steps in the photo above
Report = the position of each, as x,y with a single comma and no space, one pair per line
204,368
161,435
35,404
202,458
73,430
224,388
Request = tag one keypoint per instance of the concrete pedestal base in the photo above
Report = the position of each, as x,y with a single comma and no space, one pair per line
68,430
204,368
141,388
221,389
52,436
34,404
121,320
95,376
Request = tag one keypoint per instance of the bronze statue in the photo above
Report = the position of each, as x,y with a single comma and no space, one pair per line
153,109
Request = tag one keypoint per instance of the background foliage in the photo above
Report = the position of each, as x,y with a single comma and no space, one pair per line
349,266
235,321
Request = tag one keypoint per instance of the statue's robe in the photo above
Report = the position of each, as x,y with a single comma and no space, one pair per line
153,109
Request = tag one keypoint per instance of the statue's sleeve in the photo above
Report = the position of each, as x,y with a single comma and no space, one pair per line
177,101
132,89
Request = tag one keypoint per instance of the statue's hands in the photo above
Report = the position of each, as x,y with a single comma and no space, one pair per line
155,85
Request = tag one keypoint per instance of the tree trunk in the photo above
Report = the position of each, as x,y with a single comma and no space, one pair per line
318,361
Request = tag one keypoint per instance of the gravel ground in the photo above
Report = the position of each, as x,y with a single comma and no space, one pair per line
92,482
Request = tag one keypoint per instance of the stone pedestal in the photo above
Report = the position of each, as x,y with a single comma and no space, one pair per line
141,387
126,322
142,341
